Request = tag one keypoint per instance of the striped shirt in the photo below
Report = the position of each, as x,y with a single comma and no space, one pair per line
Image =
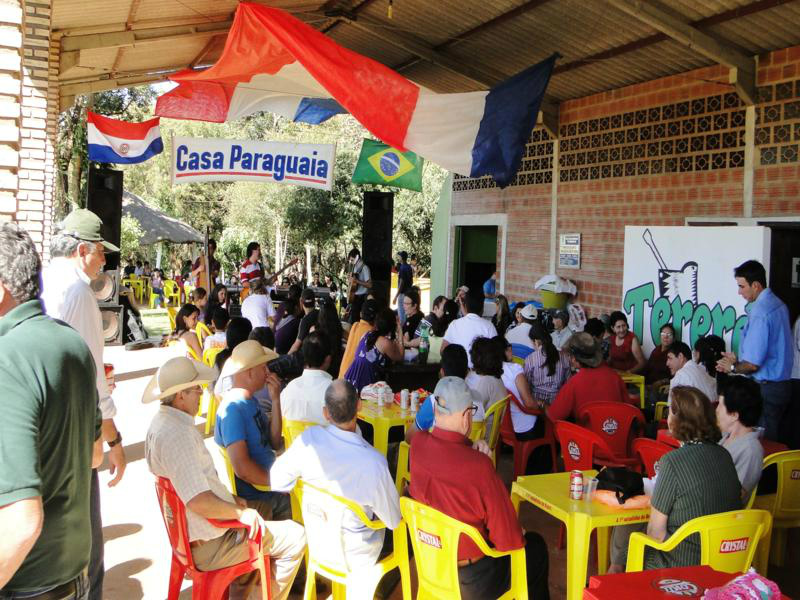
543,385
250,271
694,480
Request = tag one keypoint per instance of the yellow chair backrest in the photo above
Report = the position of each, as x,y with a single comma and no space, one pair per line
228,470
403,473
661,410
171,312
518,360
478,431
785,503
728,540
434,537
171,287
292,429
495,415
202,330
210,355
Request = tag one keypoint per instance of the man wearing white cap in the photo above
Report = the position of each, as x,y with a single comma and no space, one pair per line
174,449
243,430
452,477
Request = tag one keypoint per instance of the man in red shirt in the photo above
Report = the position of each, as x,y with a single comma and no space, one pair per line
595,381
251,268
452,477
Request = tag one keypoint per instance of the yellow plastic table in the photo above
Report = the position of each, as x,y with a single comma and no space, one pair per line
551,493
382,418
638,381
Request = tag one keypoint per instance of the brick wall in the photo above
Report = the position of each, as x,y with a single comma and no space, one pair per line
653,153
10,96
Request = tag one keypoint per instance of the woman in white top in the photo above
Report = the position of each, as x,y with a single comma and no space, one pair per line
738,412
515,381
257,307
185,323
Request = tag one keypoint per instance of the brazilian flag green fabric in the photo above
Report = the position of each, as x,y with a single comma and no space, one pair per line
384,165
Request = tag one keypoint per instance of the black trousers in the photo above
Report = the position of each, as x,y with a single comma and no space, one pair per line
96,564
491,577
355,307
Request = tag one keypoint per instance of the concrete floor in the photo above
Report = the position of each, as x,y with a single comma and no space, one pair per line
137,555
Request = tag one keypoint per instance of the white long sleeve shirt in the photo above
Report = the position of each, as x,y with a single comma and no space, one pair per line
67,296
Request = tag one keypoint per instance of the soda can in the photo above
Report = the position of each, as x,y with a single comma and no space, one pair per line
381,399
414,401
404,399
576,485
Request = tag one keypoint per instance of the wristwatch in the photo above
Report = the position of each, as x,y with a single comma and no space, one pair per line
116,440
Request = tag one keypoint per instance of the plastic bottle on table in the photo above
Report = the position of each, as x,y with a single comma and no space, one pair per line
424,345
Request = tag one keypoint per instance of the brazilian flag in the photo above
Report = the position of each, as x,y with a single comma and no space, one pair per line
384,165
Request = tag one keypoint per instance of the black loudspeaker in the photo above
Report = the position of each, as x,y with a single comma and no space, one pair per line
106,286
376,241
105,200
113,316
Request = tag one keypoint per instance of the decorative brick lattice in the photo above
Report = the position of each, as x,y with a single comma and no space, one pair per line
694,135
536,167
778,123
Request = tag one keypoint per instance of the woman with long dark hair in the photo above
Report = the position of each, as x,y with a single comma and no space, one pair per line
383,343
218,298
546,368
502,318
185,323
329,324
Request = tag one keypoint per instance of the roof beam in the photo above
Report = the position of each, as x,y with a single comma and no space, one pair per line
742,67
137,37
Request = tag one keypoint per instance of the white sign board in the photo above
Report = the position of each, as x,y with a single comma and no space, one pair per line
195,160
569,250
684,276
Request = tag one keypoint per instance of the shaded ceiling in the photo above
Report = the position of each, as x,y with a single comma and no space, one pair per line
445,45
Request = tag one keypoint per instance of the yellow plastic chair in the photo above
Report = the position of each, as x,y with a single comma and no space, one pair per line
136,284
728,540
171,291
232,474
496,413
434,538
211,409
210,355
783,505
478,431
171,312
189,351
202,330
403,473
323,514
518,360
292,429
188,288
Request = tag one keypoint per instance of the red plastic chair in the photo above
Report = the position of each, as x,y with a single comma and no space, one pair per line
649,452
523,448
665,437
613,421
579,446
206,585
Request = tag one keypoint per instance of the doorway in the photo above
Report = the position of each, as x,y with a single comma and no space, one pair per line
784,264
475,255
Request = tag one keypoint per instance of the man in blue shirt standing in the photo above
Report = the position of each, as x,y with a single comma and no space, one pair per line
490,287
242,429
765,349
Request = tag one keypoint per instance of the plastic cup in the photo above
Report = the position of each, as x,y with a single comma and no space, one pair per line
589,488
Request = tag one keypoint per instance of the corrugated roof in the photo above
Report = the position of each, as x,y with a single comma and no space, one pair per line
602,47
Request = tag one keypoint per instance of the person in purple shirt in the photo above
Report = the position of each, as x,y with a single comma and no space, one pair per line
765,347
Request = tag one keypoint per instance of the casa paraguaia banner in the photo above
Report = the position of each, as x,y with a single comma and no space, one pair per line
196,160
684,276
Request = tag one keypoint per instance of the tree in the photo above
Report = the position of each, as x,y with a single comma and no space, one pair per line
130,238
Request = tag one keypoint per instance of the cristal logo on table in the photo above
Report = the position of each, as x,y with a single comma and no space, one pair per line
678,587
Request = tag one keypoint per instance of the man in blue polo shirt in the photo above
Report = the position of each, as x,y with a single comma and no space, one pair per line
765,348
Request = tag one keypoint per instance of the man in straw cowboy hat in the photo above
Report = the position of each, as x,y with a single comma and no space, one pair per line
243,430
594,381
174,449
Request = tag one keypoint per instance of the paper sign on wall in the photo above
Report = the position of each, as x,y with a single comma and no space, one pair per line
195,160
684,276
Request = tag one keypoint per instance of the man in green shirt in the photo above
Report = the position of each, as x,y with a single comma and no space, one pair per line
49,436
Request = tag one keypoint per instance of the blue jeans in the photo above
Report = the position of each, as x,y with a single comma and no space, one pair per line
401,310
776,396
80,591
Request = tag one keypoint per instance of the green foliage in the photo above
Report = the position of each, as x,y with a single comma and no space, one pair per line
130,238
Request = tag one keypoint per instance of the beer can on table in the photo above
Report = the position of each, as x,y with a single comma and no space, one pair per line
576,485
381,397
414,401
404,399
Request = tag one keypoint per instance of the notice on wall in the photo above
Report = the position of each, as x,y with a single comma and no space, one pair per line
569,250
196,160
684,276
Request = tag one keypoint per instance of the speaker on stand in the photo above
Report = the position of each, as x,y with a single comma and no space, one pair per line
105,200
376,241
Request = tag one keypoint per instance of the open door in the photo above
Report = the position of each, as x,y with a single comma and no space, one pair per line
475,257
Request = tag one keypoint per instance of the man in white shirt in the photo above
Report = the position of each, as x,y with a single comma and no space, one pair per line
174,449
561,333
257,307
78,252
519,333
464,330
362,278
689,373
303,399
337,459
220,320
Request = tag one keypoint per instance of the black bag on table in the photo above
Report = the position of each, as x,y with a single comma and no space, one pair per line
623,482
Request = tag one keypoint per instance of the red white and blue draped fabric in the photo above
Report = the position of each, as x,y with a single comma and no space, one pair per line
274,62
114,141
